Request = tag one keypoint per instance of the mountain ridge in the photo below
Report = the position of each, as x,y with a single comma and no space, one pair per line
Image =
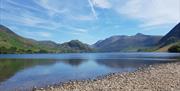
126,43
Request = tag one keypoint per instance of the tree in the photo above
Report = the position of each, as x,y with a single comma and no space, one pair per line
43,51
12,50
3,50
29,51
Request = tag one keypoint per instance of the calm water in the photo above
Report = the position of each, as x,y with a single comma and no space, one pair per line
27,70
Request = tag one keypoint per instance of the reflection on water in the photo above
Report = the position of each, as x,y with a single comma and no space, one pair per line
115,63
8,67
25,71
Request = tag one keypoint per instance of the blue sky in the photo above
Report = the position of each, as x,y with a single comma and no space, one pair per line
88,20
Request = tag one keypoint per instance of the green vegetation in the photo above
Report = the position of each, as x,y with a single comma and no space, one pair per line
165,48
152,49
174,48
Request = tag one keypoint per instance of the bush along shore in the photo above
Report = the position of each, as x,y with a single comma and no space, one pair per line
159,77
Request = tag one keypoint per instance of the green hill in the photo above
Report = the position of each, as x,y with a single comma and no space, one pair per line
13,43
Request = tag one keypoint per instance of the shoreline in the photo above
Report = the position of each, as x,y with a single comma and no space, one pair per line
165,77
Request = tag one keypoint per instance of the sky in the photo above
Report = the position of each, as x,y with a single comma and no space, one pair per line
88,20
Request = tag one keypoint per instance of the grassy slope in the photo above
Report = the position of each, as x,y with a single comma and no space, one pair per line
165,48
10,40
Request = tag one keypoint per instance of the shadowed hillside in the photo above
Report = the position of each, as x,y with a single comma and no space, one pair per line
126,43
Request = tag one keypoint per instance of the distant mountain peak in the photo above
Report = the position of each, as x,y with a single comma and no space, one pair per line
139,34
74,41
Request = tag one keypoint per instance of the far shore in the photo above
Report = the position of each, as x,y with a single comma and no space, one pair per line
159,77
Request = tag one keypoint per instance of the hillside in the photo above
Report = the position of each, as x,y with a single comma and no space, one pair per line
13,43
171,41
126,43
171,37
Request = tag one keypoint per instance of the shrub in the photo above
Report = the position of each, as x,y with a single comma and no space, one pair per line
175,48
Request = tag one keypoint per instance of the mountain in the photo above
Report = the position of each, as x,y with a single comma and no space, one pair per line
10,42
75,45
171,37
126,43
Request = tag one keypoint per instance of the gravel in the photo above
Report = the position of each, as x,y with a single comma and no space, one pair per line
160,77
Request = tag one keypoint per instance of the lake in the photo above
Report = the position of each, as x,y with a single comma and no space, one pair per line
23,71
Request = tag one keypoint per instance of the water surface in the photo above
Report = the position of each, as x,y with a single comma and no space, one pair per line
23,71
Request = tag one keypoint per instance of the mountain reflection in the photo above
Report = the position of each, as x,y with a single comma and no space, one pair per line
73,62
9,67
120,63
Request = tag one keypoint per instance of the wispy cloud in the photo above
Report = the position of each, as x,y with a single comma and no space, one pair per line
80,30
152,12
68,9
92,8
22,6
50,16
76,30
52,6
41,35
29,20
45,34
102,3
19,14
84,17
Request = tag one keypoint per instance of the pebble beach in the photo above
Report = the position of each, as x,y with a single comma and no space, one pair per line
159,77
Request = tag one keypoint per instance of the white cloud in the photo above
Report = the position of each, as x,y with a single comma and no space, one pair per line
152,12
80,30
77,31
92,8
102,3
39,34
44,34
